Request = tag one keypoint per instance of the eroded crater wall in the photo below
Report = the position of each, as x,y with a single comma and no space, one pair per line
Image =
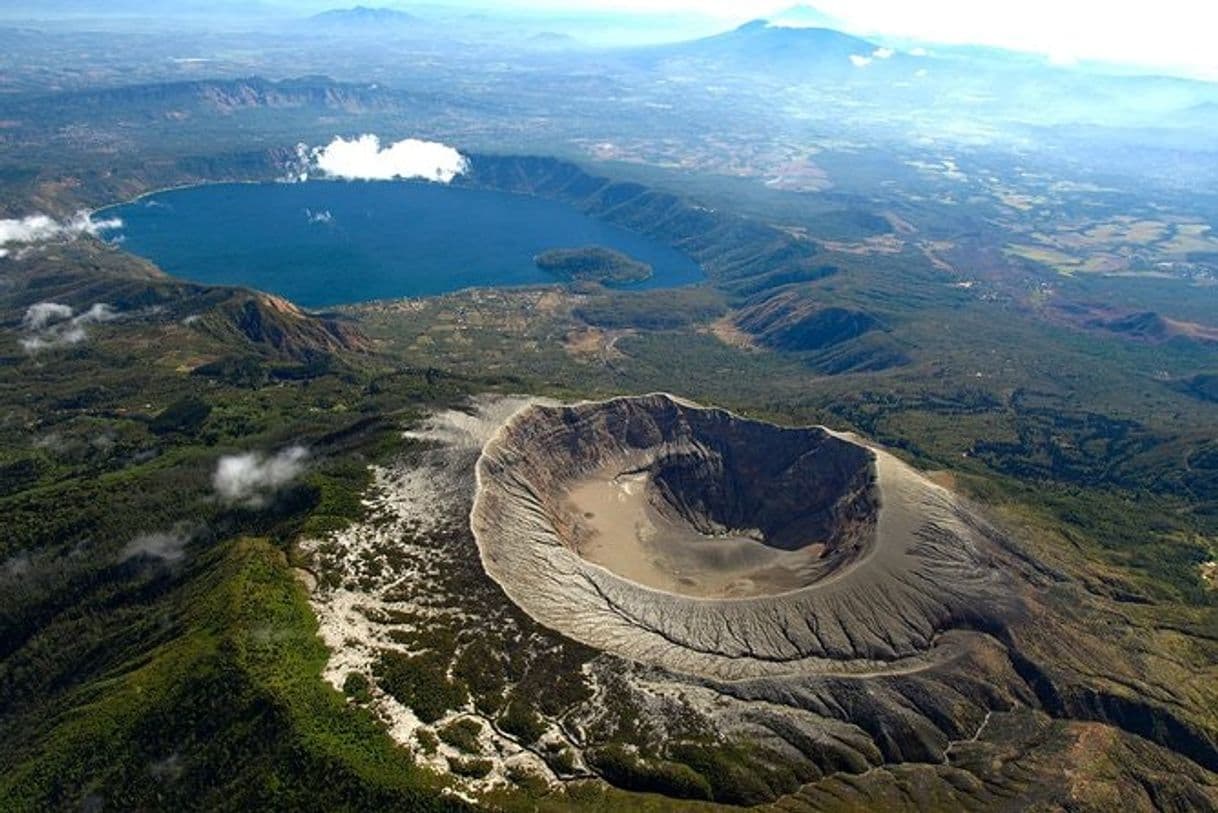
908,564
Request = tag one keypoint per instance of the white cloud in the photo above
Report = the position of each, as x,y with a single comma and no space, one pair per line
364,159
167,546
51,324
919,52
54,338
860,61
100,312
41,314
883,53
32,229
42,228
251,479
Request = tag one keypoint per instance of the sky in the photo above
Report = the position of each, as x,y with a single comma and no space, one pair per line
1175,35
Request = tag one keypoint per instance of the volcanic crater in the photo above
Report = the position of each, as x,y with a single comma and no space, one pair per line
705,542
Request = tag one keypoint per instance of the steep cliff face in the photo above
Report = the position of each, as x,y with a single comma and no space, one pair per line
796,491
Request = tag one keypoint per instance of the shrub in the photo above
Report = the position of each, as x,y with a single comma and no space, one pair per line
420,682
463,735
428,741
184,416
521,721
627,770
561,761
356,687
473,768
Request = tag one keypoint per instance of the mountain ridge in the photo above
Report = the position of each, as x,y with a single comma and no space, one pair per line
364,17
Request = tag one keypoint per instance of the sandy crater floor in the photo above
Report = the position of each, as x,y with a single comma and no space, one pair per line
621,531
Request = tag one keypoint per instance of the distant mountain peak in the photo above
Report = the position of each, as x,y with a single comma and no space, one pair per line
364,16
770,35
760,46
754,25
803,16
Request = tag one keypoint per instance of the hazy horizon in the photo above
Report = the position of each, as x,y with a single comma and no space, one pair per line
1173,39
1173,35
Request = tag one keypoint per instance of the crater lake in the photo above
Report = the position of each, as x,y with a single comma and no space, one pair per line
325,243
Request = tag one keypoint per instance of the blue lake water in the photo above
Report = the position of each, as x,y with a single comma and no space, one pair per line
324,243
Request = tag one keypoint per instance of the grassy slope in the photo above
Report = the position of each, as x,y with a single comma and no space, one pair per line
231,714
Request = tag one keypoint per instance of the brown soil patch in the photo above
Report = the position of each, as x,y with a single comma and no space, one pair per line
728,332
594,343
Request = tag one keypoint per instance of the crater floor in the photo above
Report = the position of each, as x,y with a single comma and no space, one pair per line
621,529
